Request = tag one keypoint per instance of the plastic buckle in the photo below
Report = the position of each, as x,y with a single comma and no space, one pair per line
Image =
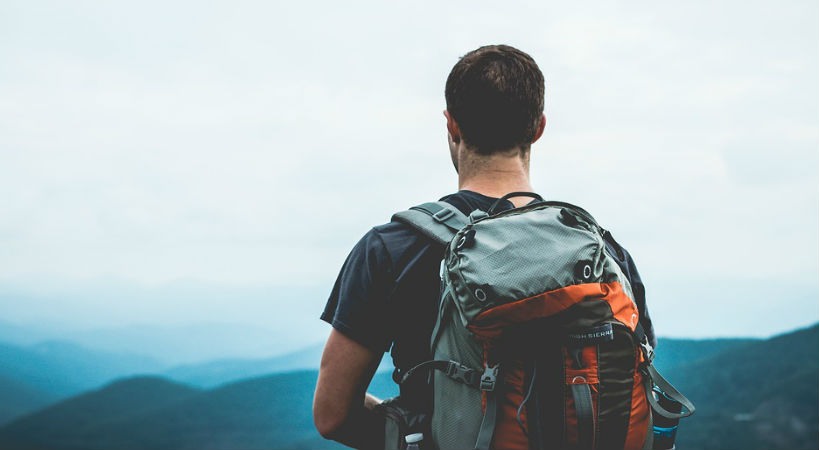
452,369
442,215
462,373
648,351
489,377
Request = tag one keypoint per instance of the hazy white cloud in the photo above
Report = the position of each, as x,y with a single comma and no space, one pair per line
252,143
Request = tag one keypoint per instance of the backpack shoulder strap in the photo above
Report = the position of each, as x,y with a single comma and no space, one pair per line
438,221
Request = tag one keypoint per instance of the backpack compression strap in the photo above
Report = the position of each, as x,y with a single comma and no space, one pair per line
652,378
669,391
438,221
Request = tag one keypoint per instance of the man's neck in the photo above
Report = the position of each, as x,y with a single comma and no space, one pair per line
495,175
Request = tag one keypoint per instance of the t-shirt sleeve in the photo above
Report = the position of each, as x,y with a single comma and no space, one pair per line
358,303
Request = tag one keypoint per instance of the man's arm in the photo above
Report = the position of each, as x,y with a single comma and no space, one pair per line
342,410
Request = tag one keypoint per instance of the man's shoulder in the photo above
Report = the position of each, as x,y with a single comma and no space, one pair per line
397,237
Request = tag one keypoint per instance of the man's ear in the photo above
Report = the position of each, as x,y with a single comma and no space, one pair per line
540,127
452,127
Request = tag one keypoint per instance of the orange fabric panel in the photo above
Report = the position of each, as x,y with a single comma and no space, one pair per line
638,421
490,323
508,432
623,307
488,350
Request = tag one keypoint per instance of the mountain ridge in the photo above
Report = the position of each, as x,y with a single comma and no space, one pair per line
273,411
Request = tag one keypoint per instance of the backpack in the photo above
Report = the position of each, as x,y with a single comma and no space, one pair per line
537,343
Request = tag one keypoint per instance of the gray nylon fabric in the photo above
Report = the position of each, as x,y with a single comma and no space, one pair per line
456,420
648,444
487,428
613,272
457,416
392,435
516,256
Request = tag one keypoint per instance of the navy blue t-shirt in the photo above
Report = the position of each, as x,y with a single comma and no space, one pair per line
386,295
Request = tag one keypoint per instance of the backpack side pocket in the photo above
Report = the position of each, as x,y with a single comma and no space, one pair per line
401,422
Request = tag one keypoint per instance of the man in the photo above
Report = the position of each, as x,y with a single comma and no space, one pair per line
386,294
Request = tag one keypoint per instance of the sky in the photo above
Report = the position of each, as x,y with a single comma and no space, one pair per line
171,163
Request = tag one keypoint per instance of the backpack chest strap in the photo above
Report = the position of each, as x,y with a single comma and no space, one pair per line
452,369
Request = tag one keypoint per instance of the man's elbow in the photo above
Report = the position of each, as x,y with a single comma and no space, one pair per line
356,427
327,422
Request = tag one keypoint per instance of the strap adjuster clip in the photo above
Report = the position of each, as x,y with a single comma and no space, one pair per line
442,215
462,373
648,351
489,378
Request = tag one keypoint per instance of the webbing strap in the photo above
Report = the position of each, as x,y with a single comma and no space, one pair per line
438,221
444,213
452,369
670,391
585,416
488,423
649,443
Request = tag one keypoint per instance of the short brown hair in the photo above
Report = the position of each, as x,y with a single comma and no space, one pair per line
496,95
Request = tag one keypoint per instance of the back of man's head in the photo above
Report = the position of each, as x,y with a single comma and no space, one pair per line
496,96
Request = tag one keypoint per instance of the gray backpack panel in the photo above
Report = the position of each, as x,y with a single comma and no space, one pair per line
525,252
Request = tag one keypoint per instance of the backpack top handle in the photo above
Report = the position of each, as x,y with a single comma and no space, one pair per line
511,195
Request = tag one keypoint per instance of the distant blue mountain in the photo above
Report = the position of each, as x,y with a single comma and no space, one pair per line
761,395
33,376
248,327
64,368
187,344
153,413
670,353
97,412
750,395
222,371
673,353
214,373
18,398
14,334
171,345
